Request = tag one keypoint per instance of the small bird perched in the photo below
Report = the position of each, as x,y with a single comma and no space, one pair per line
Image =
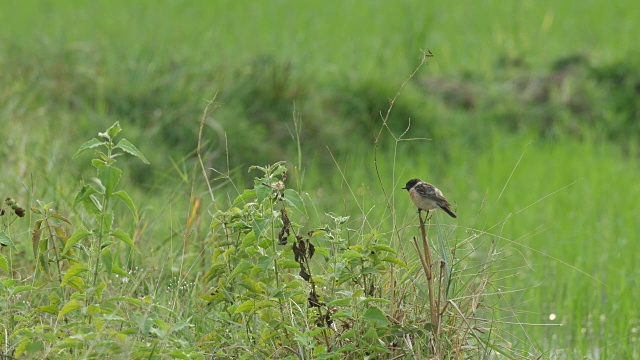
427,197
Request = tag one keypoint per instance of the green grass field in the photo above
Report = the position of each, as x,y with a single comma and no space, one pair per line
535,154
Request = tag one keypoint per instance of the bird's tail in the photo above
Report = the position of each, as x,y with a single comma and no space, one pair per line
447,209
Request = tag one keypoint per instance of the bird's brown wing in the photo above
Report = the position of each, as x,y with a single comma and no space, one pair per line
427,190
433,193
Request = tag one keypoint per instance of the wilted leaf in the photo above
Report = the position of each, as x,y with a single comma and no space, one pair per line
60,217
304,274
313,300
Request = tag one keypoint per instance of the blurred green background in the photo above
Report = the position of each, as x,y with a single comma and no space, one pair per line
532,109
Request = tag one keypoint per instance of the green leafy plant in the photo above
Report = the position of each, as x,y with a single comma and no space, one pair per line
12,212
87,311
279,289
282,287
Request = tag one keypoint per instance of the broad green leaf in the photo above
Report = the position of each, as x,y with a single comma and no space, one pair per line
119,234
83,194
78,235
22,346
376,317
126,199
351,254
93,310
396,261
251,285
339,302
110,177
383,247
93,143
375,300
263,192
293,198
73,304
243,267
213,272
93,206
161,324
21,288
289,264
107,221
246,195
248,240
129,148
99,289
49,309
6,241
349,334
368,270
114,130
4,265
107,259
258,225
246,306
144,322
77,283
320,250
97,163
74,270
180,326
177,354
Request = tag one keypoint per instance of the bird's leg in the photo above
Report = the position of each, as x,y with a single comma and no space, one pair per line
429,217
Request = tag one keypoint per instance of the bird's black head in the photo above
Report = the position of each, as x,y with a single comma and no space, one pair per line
411,183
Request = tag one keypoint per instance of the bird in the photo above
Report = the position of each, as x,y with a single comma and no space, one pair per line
427,197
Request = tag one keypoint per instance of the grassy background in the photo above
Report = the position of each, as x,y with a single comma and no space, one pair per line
561,76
